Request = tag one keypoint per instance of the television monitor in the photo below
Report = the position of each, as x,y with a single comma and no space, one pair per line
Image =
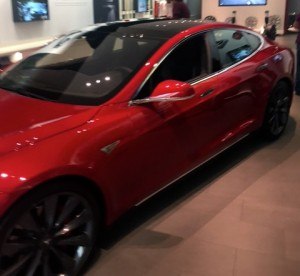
141,5
242,2
30,10
240,53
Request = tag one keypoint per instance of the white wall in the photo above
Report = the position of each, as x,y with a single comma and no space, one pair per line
65,15
276,7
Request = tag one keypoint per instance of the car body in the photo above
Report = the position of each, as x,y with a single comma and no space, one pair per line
111,114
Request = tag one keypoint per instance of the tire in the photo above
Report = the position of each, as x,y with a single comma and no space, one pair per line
277,112
50,231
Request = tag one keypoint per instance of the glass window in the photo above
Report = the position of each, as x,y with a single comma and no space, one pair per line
118,44
233,46
186,62
253,40
81,68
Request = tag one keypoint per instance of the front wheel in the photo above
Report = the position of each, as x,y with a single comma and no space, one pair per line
277,112
51,231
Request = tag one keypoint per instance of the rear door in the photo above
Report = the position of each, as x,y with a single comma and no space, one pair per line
237,84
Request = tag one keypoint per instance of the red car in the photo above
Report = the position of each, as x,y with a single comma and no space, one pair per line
102,118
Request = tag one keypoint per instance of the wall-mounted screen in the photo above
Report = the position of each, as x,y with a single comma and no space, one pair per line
141,6
30,10
242,2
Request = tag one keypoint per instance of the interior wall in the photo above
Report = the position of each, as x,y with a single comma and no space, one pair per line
276,7
65,15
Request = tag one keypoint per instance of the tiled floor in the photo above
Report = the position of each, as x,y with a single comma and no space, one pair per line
237,215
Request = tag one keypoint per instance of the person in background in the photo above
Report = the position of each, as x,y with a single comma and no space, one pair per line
296,25
166,9
180,9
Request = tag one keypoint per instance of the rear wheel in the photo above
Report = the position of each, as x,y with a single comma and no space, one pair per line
277,112
51,231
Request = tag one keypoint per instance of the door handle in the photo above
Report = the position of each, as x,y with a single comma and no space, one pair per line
206,93
262,67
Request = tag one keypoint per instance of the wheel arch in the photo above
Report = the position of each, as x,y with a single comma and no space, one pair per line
285,80
89,185
265,129
289,83
89,188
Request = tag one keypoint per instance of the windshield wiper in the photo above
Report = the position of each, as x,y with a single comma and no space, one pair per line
32,95
26,93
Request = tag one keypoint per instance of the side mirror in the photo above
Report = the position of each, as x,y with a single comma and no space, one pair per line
169,91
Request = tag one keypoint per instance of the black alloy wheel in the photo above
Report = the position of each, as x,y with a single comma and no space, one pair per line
277,112
50,232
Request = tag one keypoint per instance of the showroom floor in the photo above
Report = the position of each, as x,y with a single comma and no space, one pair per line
237,215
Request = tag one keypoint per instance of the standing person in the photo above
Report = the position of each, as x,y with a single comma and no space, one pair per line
166,9
169,8
297,26
180,9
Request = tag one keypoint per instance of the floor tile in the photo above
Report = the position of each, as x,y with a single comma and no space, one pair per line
249,263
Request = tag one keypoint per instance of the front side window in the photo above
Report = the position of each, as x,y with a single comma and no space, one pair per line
188,61
85,68
234,46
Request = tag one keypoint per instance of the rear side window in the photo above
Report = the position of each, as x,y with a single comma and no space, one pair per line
234,45
253,40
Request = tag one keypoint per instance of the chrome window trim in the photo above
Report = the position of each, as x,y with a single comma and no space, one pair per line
159,100
235,64
198,80
163,58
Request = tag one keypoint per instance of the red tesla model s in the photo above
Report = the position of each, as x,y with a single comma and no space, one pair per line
102,118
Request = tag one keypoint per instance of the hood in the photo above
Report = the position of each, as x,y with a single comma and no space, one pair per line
25,120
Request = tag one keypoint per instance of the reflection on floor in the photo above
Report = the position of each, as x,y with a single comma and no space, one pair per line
237,215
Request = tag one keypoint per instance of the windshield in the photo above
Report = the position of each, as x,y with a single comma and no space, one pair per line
80,68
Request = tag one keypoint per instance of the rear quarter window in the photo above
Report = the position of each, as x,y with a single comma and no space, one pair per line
235,45
253,40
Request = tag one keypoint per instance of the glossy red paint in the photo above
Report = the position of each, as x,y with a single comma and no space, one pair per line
177,90
127,150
